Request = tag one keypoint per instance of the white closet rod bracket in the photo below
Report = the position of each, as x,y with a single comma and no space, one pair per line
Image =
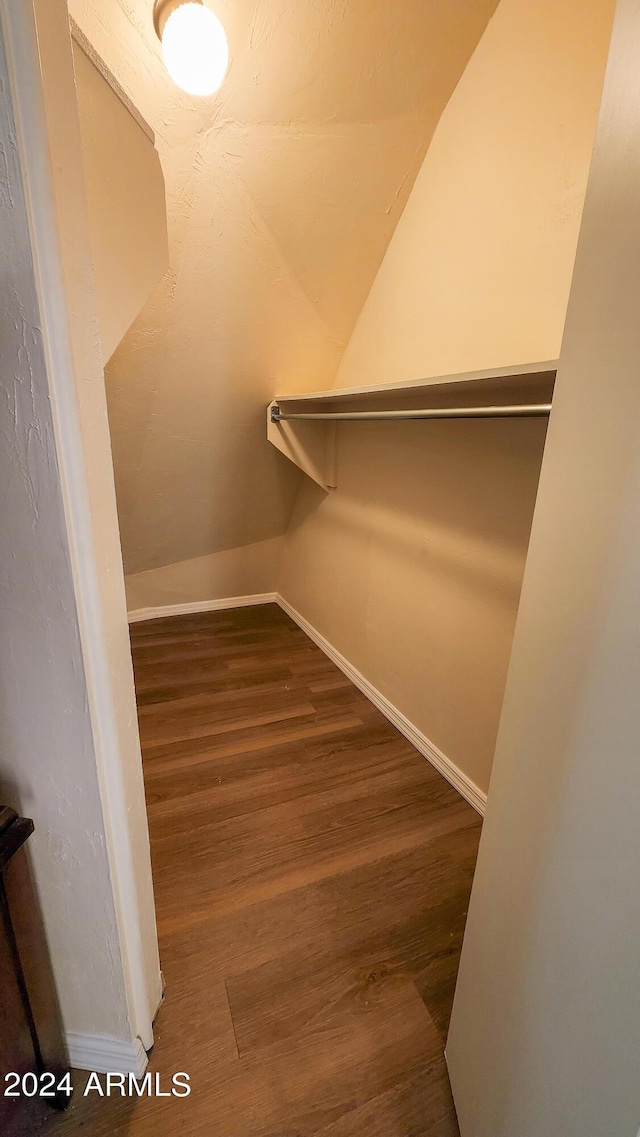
533,410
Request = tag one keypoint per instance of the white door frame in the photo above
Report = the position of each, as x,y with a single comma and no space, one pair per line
76,398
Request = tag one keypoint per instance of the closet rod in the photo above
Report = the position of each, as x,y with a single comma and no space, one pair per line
532,410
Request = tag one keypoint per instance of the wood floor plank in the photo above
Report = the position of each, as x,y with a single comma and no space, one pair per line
293,995
283,863
248,740
312,874
233,790
334,915
400,1111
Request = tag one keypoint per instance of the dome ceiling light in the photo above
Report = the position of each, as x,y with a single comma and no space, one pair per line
194,45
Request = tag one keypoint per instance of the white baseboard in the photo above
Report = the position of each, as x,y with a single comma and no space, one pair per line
140,614
106,1055
473,794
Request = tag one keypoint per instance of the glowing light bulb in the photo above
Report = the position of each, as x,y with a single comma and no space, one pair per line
195,48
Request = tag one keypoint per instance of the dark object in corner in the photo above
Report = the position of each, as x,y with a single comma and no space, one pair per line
31,1035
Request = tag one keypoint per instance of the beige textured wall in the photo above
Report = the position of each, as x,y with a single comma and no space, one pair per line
126,203
283,192
545,1033
479,269
412,569
47,762
247,571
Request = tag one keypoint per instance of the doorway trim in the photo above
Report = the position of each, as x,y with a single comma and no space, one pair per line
111,702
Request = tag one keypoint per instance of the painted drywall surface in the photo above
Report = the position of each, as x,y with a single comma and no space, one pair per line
283,191
47,761
423,545
412,569
478,272
247,571
126,202
97,560
545,1034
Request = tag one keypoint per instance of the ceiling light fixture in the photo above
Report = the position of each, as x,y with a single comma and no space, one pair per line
194,45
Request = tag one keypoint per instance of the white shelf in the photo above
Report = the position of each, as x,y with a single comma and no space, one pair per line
311,446
507,382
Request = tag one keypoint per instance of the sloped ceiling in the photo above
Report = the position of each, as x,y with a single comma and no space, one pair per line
283,192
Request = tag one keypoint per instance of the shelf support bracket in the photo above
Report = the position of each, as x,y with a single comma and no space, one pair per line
309,445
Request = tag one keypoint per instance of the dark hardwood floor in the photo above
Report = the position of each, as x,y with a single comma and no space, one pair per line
312,874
